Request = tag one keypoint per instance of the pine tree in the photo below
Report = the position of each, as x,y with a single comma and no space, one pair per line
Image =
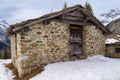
88,7
65,5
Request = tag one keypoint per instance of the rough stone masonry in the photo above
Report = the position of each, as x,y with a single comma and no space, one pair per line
43,44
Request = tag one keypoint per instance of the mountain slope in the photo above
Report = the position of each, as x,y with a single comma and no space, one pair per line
4,42
113,14
4,39
114,26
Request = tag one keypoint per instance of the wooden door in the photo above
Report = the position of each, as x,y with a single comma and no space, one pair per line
76,41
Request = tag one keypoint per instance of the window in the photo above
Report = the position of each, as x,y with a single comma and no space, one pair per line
117,50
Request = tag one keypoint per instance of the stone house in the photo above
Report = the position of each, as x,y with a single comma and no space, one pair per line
69,34
113,50
113,46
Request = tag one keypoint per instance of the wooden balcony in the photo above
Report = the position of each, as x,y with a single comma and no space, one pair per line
79,40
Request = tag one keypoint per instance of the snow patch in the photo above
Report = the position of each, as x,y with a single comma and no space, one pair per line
10,74
98,57
5,74
111,41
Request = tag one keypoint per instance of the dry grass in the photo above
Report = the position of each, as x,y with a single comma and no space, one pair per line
26,77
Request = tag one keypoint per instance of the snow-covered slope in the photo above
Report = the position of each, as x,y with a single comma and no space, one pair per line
92,68
113,14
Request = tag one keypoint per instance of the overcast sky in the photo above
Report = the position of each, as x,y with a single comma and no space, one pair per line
14,11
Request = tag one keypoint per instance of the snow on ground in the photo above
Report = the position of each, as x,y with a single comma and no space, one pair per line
4,73
92,68
111,41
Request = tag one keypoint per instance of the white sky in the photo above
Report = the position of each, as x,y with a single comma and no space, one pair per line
18,10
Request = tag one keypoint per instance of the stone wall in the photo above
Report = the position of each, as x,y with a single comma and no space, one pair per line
111,50
42,44
94,41
13,49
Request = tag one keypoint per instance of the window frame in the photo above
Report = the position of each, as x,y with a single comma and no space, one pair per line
117,50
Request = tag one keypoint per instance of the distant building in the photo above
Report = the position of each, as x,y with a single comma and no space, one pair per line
113,43
113,48
5,53
69,34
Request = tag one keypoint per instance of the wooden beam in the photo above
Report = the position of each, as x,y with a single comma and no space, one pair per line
75,15
72,27
17,28
75,22
72,18
72,22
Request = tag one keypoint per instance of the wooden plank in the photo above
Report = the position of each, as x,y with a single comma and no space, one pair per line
15,29
76,52
75,15
72,27
75,22
75,41
65,17
76,12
